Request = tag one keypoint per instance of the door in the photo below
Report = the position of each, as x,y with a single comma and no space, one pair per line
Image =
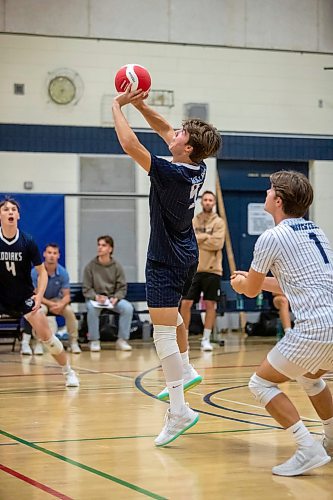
244,185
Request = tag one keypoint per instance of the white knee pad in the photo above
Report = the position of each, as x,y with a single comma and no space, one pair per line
312,386
264,390
165,339
179,320
53,345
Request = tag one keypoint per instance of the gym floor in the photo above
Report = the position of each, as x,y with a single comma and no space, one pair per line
98,441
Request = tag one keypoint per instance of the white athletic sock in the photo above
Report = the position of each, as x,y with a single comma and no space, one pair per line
328,427
301,434
172,367
206,334
26,337
66,368
176,395
173,371
185,359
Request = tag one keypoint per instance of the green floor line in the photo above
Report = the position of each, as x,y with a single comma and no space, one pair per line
80,440
84,467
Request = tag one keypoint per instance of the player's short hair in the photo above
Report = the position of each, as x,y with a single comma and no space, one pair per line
9,199
208,192
204,138
295,191
53,245
108,239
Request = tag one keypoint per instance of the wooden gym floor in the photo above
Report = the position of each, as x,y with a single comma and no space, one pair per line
96,442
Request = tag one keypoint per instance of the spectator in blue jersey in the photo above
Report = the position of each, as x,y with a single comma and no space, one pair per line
56,301
300,258
18,298
173,252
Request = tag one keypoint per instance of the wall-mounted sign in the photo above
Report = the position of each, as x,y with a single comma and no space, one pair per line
257,219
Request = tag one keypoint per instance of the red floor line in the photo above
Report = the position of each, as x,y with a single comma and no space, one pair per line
41,486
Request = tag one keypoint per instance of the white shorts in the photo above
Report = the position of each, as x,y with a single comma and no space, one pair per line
312,354
291,370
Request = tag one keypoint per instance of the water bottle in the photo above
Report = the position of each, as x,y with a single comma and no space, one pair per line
240,302
260,300
146,331
279,330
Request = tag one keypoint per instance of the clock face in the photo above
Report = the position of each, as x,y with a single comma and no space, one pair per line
62,89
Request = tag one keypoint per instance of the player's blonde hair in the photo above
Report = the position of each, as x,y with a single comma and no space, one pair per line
295,191
203,137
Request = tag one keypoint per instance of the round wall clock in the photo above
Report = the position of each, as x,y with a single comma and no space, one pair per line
64,86
62,89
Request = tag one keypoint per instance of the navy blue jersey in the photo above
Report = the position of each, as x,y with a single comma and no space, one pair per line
173,193
16,257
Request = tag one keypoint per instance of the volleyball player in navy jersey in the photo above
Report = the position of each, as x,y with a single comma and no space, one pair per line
299,255
172,253
18,298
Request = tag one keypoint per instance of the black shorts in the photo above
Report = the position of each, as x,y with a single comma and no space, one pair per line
208,283
18,309
165,285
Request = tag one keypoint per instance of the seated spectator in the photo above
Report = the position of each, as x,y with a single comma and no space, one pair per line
56,301
281,303
104,282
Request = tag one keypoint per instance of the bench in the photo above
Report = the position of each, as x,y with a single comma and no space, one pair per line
230,302
136,292
10,328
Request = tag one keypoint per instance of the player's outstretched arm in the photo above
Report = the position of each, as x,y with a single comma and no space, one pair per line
248,283
42,281
154,119
271,284
127,138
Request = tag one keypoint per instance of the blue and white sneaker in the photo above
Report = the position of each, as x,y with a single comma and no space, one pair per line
191,379
175,425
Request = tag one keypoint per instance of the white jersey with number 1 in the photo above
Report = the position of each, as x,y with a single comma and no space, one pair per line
299,255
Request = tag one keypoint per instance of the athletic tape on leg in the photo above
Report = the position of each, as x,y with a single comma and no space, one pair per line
312,386
53,345
165,340
263,390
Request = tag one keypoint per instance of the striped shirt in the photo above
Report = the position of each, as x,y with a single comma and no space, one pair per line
173,193
299,255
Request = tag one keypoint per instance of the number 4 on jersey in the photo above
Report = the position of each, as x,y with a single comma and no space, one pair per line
11,267
194,194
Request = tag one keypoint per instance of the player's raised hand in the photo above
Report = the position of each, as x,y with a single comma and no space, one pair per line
130,97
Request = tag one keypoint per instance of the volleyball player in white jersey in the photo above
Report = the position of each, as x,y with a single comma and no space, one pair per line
299,256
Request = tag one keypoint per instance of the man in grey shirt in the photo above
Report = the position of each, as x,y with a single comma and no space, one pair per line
104,284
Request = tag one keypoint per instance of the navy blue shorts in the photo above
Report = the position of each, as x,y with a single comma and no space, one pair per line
19,309
165,285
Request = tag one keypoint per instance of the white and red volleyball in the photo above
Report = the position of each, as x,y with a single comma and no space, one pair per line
132,74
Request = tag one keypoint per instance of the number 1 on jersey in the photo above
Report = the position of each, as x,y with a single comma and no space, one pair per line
314,237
